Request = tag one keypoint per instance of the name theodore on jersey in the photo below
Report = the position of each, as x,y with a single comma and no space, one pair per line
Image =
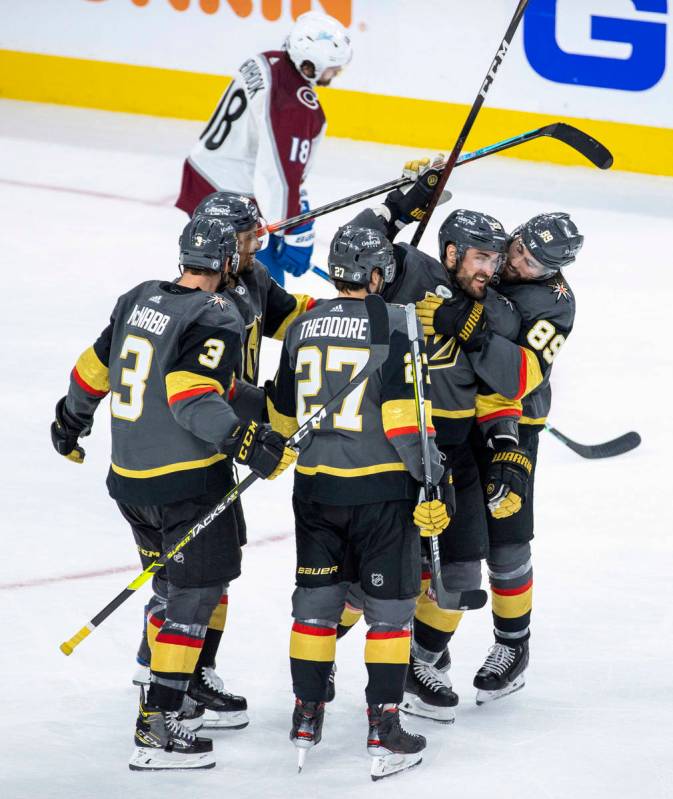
335,327
148,319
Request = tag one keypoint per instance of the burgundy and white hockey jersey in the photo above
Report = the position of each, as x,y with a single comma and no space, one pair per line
261,140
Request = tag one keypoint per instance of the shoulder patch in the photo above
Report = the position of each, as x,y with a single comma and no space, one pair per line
216,300
560,289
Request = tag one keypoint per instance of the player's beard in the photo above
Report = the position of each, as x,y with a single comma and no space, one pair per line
474,289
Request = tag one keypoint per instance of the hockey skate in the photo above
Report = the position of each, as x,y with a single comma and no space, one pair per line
163,742
392,748
306,732
503,672
223,711
427,695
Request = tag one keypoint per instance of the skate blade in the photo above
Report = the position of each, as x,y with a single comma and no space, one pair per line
386,765
146,759
141,676
301,757
484,697
235,720
413,706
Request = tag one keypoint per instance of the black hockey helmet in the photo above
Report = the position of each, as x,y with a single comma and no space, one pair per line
207,243
552,239
356,251
239,211
471,229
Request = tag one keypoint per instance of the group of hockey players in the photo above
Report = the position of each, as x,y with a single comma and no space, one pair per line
179,359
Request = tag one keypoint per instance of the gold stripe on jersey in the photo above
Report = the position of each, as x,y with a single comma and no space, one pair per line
179,382
489,406
169,468
362,471
464,413
285,425
304,303
530,420
400,415
93,371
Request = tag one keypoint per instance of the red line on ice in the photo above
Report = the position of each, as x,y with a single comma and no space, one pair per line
167,203
64,578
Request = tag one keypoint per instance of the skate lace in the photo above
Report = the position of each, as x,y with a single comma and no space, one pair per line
428,675
177,729
213,680
500,658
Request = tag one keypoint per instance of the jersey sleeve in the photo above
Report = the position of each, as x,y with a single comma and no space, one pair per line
506,367
282,308
398,407
281,399
199,378
90,378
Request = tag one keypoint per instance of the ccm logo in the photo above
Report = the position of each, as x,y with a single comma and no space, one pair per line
641,70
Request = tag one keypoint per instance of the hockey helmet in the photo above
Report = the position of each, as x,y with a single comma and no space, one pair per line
207,243
472,229
238,210
356,251
552,239
319,39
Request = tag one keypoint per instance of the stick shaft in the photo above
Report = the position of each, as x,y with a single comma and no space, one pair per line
471,117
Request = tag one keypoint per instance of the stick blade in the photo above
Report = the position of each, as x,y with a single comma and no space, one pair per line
377,311
590,148
609,449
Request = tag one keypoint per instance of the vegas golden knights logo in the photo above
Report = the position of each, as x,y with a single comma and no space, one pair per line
442,351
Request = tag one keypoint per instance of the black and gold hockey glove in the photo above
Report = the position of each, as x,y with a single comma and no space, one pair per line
410,204
457,316
65,432
433,516
263,450
506,482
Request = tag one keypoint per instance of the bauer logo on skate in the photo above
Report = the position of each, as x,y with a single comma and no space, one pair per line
641,68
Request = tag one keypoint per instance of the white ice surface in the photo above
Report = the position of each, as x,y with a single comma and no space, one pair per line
595,717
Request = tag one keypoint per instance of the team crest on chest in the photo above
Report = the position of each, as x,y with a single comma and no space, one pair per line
560,290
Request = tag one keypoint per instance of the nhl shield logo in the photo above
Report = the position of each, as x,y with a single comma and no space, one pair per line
377,579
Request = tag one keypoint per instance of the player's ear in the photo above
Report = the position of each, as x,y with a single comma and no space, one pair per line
450,256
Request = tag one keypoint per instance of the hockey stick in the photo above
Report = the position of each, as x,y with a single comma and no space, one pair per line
378,352
580,141
616,446
471,117
321,273
447,600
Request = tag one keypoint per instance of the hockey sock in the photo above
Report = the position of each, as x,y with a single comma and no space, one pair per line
433,626
312,652
387,652
512,602
175,652
349,618
213,637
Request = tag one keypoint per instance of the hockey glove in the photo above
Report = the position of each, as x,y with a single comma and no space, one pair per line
458,316
64,434
410,204
431,517
263,450
507,481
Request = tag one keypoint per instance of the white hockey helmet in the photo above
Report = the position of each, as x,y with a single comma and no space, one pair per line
320,39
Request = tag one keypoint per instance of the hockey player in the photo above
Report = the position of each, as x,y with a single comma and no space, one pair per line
167,358
267,310
469,353
355,489
262,139
532,280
